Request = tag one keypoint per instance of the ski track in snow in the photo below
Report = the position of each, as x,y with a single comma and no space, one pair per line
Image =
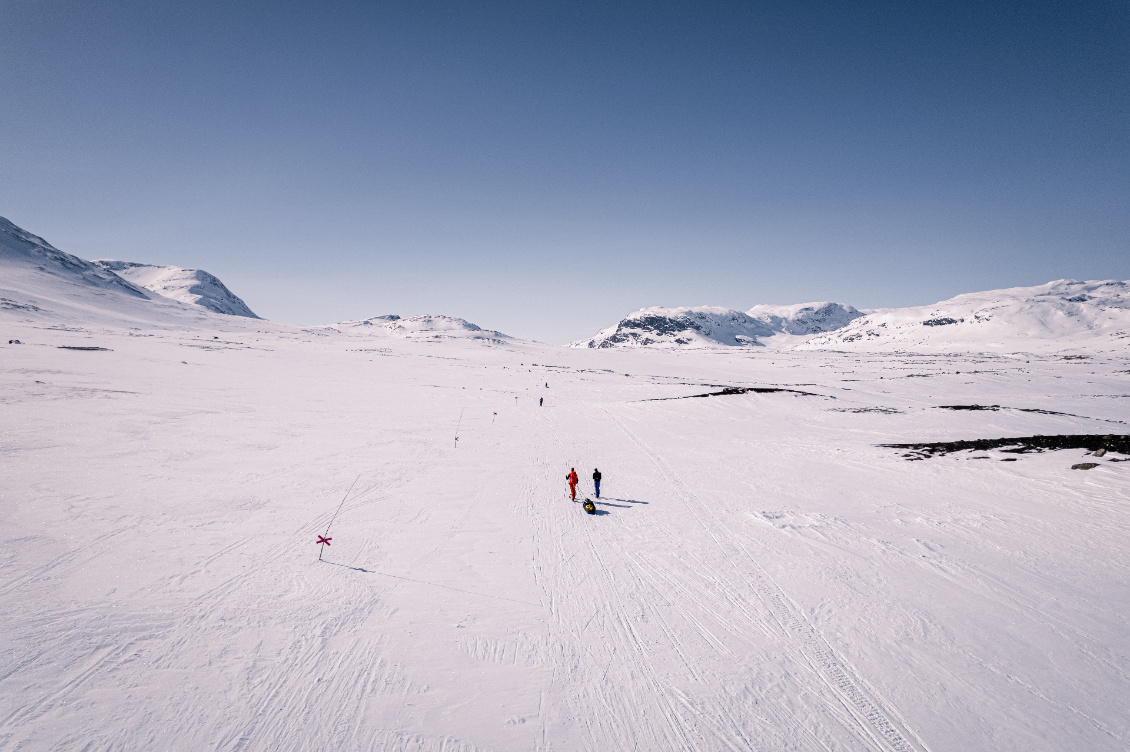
761,575
872,716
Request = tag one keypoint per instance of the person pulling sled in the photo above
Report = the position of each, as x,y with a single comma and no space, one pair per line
596,480
573,479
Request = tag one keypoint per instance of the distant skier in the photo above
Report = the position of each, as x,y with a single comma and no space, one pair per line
596,480
541,401
572,478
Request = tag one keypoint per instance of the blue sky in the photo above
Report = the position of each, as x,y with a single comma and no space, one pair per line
546,168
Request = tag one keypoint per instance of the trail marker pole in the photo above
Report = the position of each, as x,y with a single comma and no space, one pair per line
324,540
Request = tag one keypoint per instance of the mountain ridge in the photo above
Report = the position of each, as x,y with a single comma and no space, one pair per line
191,286
1059,315
715,326
424,326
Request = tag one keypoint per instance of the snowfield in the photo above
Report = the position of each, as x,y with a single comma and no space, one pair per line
761,573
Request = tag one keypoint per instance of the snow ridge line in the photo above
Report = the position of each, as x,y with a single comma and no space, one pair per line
872,715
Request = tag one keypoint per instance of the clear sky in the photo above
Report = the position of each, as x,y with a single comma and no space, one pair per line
546,168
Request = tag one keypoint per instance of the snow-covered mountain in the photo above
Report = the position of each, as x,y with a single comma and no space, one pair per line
712,326
39,282
704,326
421,327
32,266
192,286
805,318
1063,315
1059,316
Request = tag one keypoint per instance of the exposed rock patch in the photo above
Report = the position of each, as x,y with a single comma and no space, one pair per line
1018,445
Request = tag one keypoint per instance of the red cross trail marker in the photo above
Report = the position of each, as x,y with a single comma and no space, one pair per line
323,541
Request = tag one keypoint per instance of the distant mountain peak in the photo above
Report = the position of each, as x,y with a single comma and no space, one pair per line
805,318
192,286
1060,315
424,326
713,326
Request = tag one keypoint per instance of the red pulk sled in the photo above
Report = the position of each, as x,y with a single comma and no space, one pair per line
589,506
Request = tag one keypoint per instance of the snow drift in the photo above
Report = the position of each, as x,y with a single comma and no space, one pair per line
1060,315
192,286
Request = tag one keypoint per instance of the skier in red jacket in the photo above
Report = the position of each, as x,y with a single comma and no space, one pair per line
572,478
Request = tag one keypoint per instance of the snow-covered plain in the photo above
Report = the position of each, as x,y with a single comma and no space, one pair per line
761,575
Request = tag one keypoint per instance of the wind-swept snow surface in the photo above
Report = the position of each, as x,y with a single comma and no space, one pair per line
761,575
1059,316
192,286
